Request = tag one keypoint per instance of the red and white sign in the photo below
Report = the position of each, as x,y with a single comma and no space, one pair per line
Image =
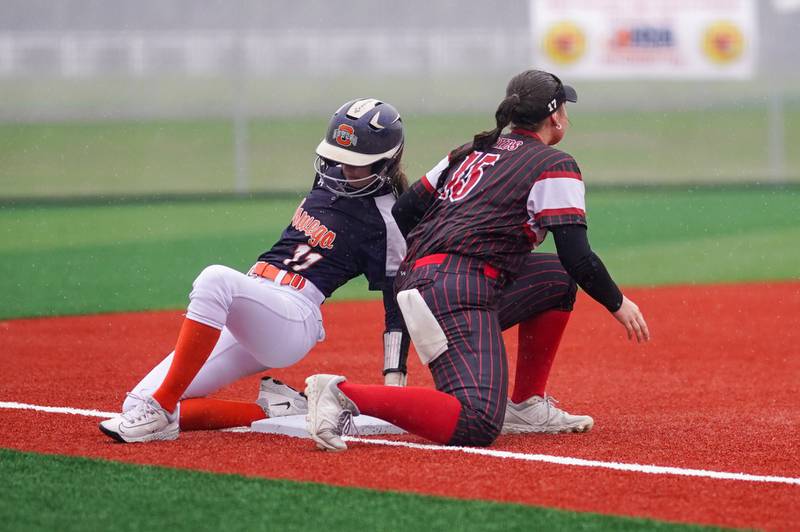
667,39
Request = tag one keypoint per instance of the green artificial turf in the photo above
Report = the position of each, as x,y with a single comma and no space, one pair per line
74,259
657,236
42,492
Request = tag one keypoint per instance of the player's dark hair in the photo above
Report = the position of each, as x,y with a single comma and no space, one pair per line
395,173
398,179
526,94
393,170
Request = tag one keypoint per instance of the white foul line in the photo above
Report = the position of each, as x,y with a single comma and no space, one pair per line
550,459
580,462
57,410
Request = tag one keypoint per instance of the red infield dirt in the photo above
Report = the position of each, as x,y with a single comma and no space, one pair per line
717,389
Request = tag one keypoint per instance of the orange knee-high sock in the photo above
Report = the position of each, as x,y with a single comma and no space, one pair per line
211,414
539,338
428,413
194,345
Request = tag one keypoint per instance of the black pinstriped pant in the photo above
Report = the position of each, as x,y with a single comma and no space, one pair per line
472,310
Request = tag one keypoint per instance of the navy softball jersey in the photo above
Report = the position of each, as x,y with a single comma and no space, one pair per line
333,239
470,260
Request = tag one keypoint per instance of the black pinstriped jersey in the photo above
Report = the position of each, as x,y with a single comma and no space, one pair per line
332,239
497,205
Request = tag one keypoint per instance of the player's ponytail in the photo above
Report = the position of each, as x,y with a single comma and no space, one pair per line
486,139
526,94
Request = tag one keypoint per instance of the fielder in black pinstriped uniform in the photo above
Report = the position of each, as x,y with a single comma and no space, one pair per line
493,205
481,219
471,223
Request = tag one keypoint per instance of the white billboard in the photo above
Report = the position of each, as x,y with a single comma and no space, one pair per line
666,39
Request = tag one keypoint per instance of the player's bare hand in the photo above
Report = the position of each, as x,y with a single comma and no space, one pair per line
632,319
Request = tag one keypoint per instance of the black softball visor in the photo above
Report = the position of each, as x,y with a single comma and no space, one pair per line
563,93
570,94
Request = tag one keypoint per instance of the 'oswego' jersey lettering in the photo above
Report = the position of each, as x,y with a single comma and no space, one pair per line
317,233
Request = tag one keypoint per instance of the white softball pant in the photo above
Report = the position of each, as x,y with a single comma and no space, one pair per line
264,325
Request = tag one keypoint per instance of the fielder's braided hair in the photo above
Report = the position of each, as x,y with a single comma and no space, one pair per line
526,94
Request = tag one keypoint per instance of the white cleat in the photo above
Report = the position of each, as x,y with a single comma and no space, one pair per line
330,412
541,415
146,421
279,399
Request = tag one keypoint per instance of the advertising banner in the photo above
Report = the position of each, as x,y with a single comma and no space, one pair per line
666,39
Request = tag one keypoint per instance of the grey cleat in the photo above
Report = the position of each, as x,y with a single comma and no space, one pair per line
541,415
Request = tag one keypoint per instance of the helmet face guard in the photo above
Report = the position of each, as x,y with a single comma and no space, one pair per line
362,132
354,188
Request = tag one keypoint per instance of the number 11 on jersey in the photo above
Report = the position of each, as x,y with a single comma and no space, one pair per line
303,258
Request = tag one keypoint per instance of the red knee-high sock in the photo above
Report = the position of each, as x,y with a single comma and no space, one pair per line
539,338
428,413
211,414
192,349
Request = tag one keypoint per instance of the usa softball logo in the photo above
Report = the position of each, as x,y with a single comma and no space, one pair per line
723,42
345,135
564,43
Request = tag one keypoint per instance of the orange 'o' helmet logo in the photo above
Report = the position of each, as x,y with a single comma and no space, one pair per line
344,135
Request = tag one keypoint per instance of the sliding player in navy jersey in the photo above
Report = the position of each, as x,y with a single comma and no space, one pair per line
240,324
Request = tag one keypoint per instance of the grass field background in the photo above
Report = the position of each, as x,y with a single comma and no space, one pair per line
85,258
721,145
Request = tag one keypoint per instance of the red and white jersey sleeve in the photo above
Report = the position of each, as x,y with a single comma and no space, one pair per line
431,177
556,198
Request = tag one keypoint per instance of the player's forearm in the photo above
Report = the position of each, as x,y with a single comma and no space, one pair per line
395,352
585,266
411,206
591,275
396,340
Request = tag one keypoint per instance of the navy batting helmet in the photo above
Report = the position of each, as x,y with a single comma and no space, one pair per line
362,132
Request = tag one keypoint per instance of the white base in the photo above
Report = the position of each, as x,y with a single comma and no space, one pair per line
296,426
